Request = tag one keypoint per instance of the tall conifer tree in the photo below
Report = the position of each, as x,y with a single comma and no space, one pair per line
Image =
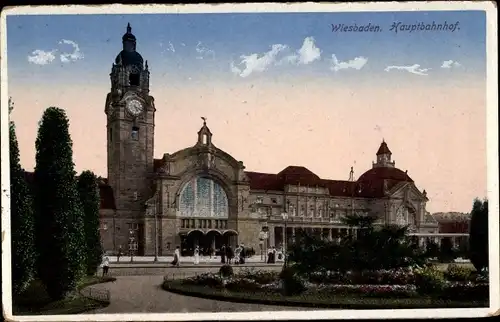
23,254
478,234
60,238
90,200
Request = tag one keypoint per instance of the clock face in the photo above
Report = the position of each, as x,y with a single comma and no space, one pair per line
134,107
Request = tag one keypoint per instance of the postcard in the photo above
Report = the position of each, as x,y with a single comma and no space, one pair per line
249,161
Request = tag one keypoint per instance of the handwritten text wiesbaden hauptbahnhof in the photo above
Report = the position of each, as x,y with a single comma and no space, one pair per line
398,26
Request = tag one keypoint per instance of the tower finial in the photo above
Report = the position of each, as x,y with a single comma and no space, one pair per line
204,120
146,65
129,29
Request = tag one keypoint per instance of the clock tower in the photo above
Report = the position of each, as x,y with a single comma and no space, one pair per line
130,114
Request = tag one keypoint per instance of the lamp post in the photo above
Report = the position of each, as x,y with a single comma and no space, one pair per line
156,233
285,218
131,245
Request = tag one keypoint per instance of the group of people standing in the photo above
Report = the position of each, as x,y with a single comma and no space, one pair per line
238,256
227,254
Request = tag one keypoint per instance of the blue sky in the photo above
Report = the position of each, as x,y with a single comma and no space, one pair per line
206,44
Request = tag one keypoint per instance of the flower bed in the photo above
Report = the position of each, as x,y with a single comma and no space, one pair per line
382,291
382,277
422,282
316,299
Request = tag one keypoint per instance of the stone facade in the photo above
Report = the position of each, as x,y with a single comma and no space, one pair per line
203,193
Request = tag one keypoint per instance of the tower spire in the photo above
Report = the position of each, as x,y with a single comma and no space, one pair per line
129,29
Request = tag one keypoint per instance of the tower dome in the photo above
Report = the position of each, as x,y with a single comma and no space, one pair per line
129,56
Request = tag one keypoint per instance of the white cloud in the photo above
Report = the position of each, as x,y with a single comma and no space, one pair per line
450,64
257,63
70,57
41,57
171,47
414,69
204,51
356,63
306,54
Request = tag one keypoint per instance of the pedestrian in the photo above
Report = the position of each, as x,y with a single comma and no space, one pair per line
177,255
229,254
197,255
105,265
223,254
243,254
120,252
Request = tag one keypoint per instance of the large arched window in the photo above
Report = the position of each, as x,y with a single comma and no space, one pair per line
203,197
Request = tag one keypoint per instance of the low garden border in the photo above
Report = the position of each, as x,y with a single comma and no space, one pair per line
338,302
83,302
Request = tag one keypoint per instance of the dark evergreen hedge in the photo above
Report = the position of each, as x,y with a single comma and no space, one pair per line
59,218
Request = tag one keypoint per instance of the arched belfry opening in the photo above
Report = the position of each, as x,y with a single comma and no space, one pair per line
204,134
134,79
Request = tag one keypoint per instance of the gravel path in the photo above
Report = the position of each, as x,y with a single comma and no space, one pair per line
143,294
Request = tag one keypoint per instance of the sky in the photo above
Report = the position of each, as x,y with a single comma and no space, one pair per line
277,89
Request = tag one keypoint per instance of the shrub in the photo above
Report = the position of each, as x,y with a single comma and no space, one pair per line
206,279
260,277
292,284
226,271
458,273
429,281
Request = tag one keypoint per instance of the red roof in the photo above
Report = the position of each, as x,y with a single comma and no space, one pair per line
384,173
105,191
384,149
294,175
369,185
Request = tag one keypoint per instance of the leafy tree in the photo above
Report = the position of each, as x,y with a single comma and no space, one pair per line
60,237
384,248
478,234
23,254
89,198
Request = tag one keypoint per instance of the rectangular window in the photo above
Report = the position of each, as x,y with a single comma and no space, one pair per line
135,133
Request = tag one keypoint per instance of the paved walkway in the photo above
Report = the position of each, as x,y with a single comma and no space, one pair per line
143,294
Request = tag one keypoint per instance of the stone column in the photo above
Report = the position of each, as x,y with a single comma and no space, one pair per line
329,234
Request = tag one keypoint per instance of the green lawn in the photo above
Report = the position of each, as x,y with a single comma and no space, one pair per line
35,300
323,300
